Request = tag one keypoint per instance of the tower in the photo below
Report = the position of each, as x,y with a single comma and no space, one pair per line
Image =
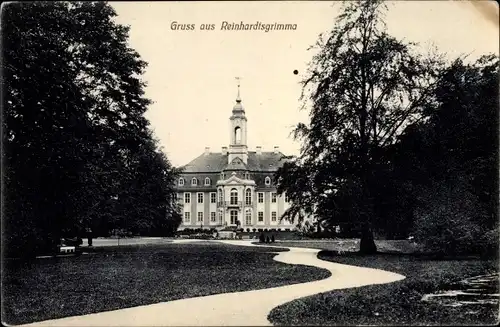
238,131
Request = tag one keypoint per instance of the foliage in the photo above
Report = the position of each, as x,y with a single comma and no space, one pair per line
190,231
397,142
78,151
457,191
364,88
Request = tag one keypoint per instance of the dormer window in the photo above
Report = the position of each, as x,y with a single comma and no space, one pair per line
181,181
267,181
207,181
194,182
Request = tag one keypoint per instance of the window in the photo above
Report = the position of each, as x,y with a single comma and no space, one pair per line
200,216
248,217
181,181
248,196
187,197
194,182
273,197
261,216
247,175
221,197
213,198
273,216
200,197
212,217
267,181
234,217
187,217
222,176
207,181
234,196
261,197
237,135
287,199
220,217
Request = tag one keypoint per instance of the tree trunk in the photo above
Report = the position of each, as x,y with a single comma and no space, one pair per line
367,242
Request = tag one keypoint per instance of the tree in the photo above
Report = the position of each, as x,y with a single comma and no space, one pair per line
449,162
74,126
364,87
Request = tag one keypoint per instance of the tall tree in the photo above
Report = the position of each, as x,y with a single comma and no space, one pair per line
364,88
73,120
450,162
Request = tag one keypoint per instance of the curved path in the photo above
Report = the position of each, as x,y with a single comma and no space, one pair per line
249,308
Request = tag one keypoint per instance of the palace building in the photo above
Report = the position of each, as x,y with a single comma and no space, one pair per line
234,187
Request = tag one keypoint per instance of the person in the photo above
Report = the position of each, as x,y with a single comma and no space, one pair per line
89,236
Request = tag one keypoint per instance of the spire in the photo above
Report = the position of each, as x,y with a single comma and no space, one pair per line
238,108
238,99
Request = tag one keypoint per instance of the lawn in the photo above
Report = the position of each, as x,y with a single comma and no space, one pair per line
348,245
396,303
120,277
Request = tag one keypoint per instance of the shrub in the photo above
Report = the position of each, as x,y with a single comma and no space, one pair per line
254,230
267,239
279,229
265,229
448,221
272,238
260,229
287,229
248,230
261,238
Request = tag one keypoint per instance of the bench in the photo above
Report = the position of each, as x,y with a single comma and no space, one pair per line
67,249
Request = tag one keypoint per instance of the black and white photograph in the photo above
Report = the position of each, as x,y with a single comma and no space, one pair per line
250,163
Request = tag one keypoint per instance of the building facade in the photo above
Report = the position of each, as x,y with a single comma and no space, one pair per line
234,187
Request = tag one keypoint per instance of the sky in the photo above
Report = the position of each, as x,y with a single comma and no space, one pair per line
191,73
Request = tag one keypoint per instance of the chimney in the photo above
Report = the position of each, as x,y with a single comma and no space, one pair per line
207,150
224,150
259,149
276,149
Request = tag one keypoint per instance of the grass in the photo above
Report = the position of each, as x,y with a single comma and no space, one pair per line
120,277
396,303
349,245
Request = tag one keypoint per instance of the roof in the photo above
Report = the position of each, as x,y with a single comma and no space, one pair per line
217,162
266,161
211,162
236,164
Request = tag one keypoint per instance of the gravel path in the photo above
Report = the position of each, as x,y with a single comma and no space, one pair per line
249,308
